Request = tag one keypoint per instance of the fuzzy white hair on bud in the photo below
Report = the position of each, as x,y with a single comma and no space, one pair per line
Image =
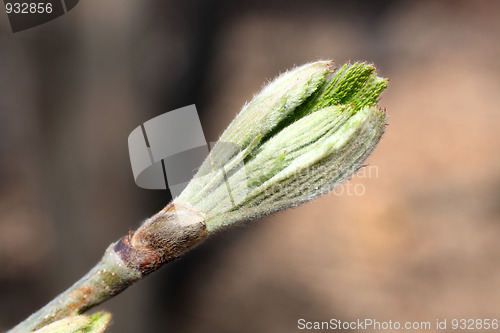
303,134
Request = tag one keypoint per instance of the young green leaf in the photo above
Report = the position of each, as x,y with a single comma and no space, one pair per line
303,134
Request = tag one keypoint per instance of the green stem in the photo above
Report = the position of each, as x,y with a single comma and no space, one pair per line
161,239
110,276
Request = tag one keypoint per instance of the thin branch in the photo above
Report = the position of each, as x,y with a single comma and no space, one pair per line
161,239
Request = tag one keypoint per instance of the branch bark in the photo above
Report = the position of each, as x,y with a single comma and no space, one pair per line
160,239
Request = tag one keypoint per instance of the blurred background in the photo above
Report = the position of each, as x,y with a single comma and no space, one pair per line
414,239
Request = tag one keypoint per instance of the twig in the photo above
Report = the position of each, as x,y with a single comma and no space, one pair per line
159,240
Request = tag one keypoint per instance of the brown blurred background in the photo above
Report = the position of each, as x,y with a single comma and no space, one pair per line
422,241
